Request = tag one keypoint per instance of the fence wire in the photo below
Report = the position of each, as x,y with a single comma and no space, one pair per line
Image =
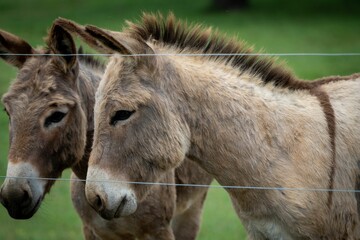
191,185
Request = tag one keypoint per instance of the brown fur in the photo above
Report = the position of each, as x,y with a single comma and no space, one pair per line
51,81
240,130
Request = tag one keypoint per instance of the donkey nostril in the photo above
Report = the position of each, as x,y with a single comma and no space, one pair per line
122,203
98,203
26,196
119,210
25,199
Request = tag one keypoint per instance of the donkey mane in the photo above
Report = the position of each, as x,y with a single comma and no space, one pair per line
198,39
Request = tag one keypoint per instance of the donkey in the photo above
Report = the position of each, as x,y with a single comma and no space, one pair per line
244,119
50,107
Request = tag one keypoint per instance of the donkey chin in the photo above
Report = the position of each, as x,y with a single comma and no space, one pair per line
21,194
110,199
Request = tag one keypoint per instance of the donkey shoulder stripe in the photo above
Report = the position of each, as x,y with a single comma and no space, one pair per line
328,109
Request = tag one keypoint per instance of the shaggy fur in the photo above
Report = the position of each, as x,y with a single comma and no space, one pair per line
285,133
45,84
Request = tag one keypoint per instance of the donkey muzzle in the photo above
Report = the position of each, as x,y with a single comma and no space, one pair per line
21,193
110,199
18,200
113,204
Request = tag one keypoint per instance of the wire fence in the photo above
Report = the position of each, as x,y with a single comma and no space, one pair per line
189,185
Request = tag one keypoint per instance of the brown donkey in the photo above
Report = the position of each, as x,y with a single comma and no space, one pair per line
50,107
243,119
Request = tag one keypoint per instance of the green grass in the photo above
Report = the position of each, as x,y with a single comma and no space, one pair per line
277,26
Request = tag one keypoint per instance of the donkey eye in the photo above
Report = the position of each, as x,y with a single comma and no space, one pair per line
120,116
54,118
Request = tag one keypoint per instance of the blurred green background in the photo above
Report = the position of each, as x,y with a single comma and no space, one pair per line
278,26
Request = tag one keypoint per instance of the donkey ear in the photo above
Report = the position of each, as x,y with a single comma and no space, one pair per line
119,42
61,42
108,40
11,44
79,30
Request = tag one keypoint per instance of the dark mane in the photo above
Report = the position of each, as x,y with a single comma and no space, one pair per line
90,60
196,38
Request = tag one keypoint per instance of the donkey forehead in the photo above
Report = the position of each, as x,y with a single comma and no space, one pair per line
38,67
118,96
124,71
120,100
39,78
12,100
23,102
36,94
121,86
24,91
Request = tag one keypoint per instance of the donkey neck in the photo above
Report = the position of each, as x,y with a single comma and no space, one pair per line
241,127
87,83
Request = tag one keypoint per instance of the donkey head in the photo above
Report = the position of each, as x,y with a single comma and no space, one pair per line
138,135
47,121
